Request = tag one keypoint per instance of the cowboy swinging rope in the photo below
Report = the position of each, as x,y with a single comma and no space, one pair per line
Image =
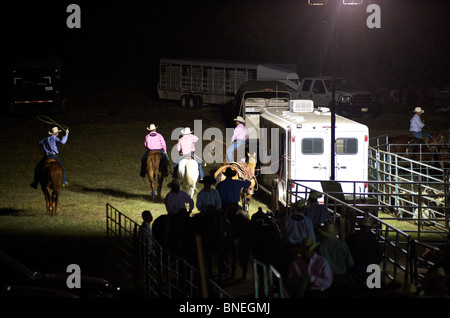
48,120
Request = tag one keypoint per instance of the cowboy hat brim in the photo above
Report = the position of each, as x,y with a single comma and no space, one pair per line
54,132
186,131
229,173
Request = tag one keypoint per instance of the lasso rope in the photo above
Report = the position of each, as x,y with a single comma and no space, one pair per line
48,120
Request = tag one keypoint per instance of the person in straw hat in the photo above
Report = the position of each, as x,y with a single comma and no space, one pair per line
417,124
186,147
318,213
296,227
154,141
50,145
239,138
334,250
309,274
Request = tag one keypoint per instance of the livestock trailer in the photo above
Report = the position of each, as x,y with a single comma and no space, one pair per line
295,144
198,82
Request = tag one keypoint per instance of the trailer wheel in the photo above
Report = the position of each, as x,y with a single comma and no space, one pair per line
184,101
192,102
199,102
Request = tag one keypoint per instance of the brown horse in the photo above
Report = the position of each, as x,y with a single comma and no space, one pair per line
51,182
156,169
244,171
411,147
441,145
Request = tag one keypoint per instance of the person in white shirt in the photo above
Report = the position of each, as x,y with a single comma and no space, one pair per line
177,201
208,198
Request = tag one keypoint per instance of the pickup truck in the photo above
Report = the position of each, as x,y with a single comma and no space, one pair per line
350,101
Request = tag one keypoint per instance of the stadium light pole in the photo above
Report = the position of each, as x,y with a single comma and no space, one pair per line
336,8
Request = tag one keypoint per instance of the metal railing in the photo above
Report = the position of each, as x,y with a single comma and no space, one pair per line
347,209
268,282
147,268
412,190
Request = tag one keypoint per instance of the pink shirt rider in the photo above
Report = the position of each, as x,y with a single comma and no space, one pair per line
155,141
186,144
240,133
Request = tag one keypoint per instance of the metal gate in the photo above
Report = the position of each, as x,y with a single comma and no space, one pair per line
146,268
411,190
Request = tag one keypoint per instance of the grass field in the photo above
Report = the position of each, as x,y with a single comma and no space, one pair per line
107,125
102,160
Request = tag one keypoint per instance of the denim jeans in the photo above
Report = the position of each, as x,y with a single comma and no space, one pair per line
419,134
199,162
232,148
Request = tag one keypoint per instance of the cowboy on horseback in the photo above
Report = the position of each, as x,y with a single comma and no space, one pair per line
154,141
208,199
239,138
186,147
417,124
50,145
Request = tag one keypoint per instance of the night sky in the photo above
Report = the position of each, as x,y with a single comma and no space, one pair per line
410,49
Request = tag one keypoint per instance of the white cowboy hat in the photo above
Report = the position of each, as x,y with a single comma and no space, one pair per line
151,127
186,131
54,131
239,119
419,110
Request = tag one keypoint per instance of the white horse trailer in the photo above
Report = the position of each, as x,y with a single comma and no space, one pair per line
198,82
295,144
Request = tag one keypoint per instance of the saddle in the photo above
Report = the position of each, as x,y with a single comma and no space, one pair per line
187,157
242,169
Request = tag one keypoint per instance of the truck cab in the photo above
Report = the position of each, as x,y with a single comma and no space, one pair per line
350,100
36,86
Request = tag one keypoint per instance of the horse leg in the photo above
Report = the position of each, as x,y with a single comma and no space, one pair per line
152,183
47,200
243,256
47,205
55,201
160,183
233,258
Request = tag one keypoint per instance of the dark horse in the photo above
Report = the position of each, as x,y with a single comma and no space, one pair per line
441,145
156,169
169,231
176,233
265,238
51,181
265,242
411,147
238,239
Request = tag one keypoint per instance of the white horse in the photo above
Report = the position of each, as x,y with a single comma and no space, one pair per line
188,174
